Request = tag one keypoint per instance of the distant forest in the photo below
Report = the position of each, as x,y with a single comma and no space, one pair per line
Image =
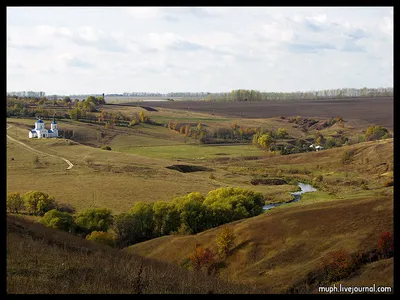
238,95
252,95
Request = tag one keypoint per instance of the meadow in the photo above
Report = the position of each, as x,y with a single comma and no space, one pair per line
272,251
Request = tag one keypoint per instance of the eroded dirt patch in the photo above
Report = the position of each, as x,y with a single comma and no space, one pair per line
188,168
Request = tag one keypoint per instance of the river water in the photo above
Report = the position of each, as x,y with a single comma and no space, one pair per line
305,188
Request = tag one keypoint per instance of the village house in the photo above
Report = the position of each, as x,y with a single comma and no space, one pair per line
41,132
317,148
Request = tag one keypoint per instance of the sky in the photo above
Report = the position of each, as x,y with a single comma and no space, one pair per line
84,50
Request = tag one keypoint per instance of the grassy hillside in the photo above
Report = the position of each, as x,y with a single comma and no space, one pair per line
280,246
273,251
59,263
277,248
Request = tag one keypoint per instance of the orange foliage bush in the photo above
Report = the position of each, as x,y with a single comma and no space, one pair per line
202,258
385,245
336,265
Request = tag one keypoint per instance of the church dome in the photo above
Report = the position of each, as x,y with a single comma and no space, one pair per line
54,122
39,121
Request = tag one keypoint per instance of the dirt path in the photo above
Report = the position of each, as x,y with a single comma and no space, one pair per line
70,165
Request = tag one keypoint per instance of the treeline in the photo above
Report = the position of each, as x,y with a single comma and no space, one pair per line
30,94
253,95
45,107
189,214
214,135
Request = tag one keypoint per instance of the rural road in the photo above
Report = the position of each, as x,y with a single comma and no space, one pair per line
70,165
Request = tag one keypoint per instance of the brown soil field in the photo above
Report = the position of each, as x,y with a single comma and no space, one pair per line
375,110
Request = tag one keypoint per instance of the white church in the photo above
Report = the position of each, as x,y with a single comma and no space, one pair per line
41,132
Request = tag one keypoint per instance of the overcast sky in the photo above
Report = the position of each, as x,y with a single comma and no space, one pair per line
74,50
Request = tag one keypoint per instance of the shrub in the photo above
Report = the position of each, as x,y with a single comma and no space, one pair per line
58,220
66,207
183,230
364,186
202,258
104,238
347,157
336,265
281,133
134,122
88,160
212,176
224,241
106,147
319,178
38,203
362,138
15,203
389,183
385,245
36,161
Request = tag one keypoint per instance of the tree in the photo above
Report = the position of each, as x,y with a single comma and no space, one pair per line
42,101
256,136
202,258
67,99
319,141
193,212
100,100
265,141
281,133
101,237
336,265
38,203
91,99
94,219
124,226
15,203
370,131
58,220
143,213
161,211
66,207
106,147
187,130
142,117
225,241
235,203
75,113
385,245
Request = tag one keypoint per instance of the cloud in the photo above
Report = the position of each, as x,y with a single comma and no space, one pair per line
46,30
199,48
310,47
183,45
357,33
28,47
151,13
87,36
73,61
145,12
351,46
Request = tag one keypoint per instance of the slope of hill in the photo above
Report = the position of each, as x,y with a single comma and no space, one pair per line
43,260
277,248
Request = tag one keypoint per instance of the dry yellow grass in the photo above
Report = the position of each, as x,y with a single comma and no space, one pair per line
272,250
59,263
277,248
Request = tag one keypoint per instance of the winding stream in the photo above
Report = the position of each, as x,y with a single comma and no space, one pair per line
305,188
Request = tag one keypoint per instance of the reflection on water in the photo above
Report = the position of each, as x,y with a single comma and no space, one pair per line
305,188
